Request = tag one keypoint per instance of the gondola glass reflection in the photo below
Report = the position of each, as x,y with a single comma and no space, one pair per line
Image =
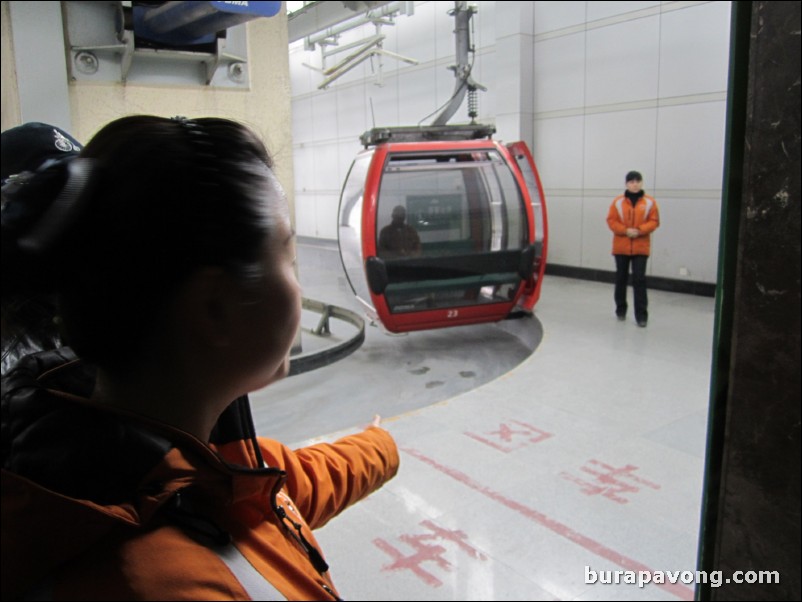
350,227
462,206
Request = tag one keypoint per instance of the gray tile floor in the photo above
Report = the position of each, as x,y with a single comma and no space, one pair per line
390,374
583,456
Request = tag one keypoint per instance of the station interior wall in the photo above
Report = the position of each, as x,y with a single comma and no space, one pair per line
595,88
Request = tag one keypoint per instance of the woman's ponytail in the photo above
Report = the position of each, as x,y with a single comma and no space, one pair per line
38,209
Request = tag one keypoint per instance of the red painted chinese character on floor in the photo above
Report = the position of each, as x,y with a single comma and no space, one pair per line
524,434
610,482
424,551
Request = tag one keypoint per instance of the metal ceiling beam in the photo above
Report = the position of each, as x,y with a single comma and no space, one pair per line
319,16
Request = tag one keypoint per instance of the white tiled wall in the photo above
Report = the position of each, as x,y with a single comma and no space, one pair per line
353,114
325,159
444,27
305,214
596,241
689,230
553,16
691,43
303,158
560,73
616,86
604,10
485,28
623,62
326,215
690,146
565,230
415,98
414,34
616,143
325,116
565,170
302,128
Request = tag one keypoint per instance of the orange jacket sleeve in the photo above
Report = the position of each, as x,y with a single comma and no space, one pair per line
652,221
326,478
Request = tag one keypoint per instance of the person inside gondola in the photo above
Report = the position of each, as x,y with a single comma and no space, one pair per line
398,239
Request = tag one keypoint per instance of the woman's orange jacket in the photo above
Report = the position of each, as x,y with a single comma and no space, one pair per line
645,216
103,505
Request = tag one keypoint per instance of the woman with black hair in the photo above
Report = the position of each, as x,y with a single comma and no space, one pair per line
127,470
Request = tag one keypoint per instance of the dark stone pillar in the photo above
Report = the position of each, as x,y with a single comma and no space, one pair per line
752,508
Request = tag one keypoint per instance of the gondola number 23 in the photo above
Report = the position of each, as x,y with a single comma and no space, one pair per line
452,313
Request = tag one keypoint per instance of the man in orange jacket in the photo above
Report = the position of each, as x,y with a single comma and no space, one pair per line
633,216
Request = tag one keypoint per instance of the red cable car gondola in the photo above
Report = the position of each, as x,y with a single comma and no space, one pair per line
442,232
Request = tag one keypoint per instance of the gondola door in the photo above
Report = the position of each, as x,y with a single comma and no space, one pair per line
526,164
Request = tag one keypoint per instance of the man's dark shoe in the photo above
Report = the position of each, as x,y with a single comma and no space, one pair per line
642,323
621,317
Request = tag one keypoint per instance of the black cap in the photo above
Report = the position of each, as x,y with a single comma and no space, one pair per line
27,146
634,175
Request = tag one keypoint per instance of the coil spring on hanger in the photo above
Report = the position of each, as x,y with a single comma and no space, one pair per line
473,104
